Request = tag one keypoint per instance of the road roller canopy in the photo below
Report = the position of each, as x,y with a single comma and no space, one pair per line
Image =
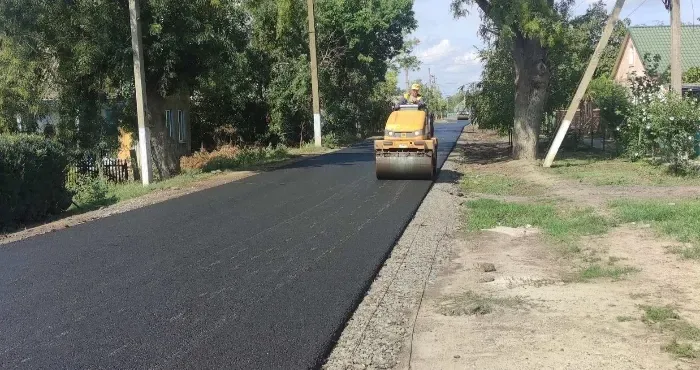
406,120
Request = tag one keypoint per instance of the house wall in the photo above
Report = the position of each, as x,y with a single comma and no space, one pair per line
182,144
630,62
126,143
177,104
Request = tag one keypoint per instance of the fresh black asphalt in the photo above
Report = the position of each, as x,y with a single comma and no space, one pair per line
260,273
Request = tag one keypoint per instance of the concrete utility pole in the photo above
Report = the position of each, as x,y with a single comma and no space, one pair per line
430,79
676,69
314,73
583,85
408,83
140,85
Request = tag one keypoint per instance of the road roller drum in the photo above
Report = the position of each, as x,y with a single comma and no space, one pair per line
408,150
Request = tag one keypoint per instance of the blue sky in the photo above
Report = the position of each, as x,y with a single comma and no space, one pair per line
448,45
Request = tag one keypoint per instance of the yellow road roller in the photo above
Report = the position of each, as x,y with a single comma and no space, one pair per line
408,150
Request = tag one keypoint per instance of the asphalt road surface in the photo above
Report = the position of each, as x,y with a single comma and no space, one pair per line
261,273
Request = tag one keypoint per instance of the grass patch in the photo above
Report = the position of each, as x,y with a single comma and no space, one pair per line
625,318
471,303
656,314
309,148
115,193
615,272
667,319
681,350
199,167
688,253
600,170
564,225
680,220
498,184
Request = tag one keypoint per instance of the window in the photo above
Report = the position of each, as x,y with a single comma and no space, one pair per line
631,57
182,126
169,122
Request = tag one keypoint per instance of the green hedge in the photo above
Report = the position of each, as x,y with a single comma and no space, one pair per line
32,179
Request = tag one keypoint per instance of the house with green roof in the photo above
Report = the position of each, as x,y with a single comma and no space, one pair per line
654,41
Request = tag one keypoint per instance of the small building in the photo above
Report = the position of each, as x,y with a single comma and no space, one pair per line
173,126
652,41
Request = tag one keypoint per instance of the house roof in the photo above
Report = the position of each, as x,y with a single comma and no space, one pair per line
657,40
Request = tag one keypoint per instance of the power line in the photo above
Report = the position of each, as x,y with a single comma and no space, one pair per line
635,9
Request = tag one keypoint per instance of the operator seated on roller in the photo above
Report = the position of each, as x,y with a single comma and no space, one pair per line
412,97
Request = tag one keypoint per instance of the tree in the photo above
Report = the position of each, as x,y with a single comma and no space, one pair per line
692,75
556,57
406,61
244,64
85,45
20,87
529,28
492,100
569,57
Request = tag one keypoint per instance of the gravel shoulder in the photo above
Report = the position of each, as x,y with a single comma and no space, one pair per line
380,328
513,297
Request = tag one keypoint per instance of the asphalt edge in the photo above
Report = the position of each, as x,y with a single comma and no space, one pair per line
43,228
320,362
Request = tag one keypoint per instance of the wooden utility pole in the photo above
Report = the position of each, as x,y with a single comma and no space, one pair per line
314,73
140,85
583,85
676,69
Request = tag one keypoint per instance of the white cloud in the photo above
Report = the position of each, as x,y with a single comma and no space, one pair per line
437,52
471,57
468,60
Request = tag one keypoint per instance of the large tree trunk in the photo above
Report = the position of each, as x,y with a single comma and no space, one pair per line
164,149
531,93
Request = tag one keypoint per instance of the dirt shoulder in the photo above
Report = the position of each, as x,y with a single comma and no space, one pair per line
543,269
581,290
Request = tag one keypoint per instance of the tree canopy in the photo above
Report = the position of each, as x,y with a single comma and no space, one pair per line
244,65
493,99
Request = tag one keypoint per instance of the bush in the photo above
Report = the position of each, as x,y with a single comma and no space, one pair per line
32,179
333,140
664,127
231,158
612,99
89,191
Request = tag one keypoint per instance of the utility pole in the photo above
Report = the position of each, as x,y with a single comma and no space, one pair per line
140,85
408,83
314,73
583,85
676,69
430,79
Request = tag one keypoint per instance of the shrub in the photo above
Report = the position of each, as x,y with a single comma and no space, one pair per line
333,140
199,160
89,191
230,158
663,127
612,99
32,179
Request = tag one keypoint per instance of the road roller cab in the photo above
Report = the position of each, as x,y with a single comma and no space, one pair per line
408,150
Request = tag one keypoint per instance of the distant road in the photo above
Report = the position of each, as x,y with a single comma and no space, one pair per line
261,273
